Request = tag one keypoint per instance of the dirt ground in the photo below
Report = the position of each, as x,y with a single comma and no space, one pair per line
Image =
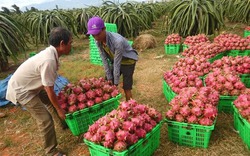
20,137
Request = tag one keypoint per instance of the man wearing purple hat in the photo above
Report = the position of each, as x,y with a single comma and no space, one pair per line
118,57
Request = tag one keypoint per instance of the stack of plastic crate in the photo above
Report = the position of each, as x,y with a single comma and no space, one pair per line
94,52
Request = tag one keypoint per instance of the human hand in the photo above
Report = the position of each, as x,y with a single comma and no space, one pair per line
61,113
110,82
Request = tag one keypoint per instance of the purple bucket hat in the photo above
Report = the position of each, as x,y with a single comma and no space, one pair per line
95,25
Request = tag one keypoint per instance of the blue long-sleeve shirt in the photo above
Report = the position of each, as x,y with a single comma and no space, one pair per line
120,47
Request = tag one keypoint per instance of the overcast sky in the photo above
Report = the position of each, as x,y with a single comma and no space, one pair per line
20,3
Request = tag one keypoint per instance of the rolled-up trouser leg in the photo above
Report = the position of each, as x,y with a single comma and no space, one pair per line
45,123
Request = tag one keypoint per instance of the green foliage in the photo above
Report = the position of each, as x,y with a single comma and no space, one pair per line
12,40
130,17
82,16
165,12
6,10
191,17
16,9
237,10
41,23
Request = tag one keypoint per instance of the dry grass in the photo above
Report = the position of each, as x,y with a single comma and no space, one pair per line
20,135
144,41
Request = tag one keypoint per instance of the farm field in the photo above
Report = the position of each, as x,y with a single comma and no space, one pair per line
19,135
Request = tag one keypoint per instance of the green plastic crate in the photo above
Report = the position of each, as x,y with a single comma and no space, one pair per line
246,33
217,57
92,59
95,55
144,147
96,59
246,135
167,91
111,27
225,104
94,52
172,48
245,78
32,54
247,52
96,62
91,39
130,43
79,121
184,46
242,126
164,88
233,52
238,120
93,45
193,135
238,53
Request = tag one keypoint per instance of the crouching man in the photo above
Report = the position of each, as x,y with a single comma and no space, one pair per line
35,74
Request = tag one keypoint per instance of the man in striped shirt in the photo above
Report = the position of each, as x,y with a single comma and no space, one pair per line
118,57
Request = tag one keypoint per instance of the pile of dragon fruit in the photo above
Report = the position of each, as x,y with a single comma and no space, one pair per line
196,65
232,41
247,28
226,82
194,106
240,64
124,126
242,103
187,72
173,39
183,80
193,40
204,50
86,93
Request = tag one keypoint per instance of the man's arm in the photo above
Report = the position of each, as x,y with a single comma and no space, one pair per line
117,65
52,96
106,66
